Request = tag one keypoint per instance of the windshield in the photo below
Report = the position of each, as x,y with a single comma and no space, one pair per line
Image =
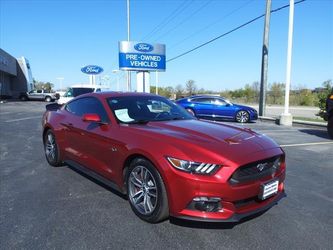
143,109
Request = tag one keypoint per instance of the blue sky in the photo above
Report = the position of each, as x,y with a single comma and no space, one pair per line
61,36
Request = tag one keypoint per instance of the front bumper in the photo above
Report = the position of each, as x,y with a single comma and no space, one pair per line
236,200
239,216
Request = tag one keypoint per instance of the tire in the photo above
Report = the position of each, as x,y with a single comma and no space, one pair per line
51,149
330,127
242,116
23,98
191,111
146,191
48,99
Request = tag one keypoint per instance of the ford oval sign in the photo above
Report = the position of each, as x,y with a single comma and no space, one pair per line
92,70
143,47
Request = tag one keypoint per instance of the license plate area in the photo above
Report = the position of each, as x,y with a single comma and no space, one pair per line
269,189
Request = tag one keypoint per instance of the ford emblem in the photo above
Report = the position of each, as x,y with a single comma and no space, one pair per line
92,70
261,166
143,47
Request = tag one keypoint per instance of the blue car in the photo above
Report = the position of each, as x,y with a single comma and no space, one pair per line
214,107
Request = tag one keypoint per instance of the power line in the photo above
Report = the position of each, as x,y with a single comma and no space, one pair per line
184,20
229,32
211,24
184,5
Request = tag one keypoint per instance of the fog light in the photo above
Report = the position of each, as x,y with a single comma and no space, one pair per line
207,204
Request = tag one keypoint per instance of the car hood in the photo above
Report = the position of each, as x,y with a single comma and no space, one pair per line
216,139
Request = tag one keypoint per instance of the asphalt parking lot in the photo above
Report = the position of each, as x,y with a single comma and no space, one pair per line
42,207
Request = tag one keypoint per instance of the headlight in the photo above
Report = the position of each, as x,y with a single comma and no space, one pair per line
193,167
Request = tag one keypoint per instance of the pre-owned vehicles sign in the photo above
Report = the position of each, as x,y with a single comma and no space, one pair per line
141,56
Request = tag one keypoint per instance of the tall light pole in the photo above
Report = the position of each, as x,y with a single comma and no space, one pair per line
128,39
264,61
286,118
156,91
116,71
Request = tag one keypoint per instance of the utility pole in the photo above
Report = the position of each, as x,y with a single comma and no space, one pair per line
264,61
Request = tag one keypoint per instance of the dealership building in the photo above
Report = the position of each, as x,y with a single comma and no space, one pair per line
15,75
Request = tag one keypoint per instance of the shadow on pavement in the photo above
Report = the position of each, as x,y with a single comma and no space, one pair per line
212,225
315,132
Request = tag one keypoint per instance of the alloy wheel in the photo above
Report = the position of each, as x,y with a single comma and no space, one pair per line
242,116
51,148
143,190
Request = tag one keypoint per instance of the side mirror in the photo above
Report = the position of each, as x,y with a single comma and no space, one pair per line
228,104
91,118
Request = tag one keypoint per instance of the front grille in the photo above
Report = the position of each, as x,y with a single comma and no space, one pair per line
255,170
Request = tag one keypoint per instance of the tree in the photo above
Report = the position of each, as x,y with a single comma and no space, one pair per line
43,85
191,88
322,96
179,91
276,92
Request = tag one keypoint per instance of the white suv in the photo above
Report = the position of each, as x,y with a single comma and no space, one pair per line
75,91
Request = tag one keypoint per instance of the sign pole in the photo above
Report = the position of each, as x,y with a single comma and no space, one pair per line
128,39
156,91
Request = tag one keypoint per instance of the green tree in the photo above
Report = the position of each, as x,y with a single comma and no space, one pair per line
43,85
322,96
276,92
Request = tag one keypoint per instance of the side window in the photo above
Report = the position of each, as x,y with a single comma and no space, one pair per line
39,91
219,102
203,100
87,105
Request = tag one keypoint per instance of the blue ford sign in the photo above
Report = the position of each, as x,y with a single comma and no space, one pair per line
143,47
141,56
92,70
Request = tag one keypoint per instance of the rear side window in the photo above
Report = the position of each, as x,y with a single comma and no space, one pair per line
87,105
203,100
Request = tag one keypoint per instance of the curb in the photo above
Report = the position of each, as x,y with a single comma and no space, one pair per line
295,122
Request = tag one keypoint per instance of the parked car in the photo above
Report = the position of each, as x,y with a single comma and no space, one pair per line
166,161
329,112
214,107
77,90
38,95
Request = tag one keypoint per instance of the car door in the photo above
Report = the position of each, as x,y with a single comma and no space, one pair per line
222,109
203,106
33,94
90,142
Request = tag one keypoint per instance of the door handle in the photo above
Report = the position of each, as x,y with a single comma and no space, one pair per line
67,124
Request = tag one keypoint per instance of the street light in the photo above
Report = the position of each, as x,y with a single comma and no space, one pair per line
116,71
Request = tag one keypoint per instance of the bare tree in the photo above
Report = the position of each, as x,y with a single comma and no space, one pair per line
191,88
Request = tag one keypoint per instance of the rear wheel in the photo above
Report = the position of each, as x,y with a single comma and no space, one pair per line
23,98
242,116
48,99
146,191
51,149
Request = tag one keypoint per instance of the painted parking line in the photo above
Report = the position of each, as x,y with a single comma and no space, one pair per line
307,144
23,119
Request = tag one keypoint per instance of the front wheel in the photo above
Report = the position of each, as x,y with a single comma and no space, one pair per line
146,191
242,116
51,149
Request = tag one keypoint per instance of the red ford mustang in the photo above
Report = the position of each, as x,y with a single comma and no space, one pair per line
165,160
